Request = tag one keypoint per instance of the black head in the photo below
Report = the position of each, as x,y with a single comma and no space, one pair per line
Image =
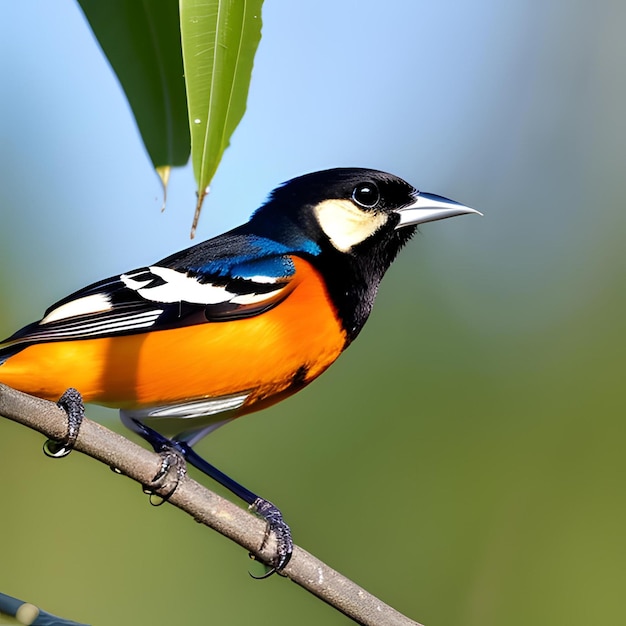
358,219
341,208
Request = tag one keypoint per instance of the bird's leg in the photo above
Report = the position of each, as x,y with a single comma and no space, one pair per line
265,509
72,403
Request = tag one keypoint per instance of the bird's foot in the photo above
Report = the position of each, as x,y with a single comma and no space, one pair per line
171,471
72,403
277,525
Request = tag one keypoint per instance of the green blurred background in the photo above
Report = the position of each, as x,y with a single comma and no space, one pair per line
464,459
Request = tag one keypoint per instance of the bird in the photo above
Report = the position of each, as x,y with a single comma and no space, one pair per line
231,325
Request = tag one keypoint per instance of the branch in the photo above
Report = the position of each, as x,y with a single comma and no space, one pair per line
204,506
26,613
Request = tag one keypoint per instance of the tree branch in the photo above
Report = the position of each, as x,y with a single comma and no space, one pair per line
204,506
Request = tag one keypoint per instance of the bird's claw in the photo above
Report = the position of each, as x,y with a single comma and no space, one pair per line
72,403
170,473
277,525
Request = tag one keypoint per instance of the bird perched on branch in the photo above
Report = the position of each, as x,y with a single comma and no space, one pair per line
231,325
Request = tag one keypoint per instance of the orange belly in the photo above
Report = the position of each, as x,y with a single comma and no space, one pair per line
269,355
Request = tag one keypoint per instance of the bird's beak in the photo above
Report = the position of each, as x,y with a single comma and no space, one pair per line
428,207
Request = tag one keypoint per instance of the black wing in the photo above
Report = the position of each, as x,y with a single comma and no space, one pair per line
188,288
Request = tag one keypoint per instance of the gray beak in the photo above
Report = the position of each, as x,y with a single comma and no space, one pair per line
428,207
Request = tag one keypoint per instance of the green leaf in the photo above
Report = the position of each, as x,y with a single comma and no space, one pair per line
141,40
219,41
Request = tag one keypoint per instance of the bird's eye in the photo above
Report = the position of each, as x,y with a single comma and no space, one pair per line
366,195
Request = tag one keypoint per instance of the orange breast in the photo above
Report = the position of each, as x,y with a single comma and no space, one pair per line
270,355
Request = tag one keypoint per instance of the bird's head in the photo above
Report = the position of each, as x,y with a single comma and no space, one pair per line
354,211
351,224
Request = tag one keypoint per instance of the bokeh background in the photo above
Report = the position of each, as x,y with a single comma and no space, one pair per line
464,459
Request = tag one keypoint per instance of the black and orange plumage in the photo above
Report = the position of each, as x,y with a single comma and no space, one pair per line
233,324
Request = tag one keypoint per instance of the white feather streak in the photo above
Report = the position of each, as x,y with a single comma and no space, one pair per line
96,303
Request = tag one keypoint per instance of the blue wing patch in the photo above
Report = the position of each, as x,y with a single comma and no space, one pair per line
240,256
272,268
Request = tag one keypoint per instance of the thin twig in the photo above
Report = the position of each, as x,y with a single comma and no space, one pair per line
26,613
204,506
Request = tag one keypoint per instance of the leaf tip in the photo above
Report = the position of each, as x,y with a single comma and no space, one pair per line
164,172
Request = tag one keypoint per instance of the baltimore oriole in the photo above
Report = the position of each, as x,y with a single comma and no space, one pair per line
233,324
